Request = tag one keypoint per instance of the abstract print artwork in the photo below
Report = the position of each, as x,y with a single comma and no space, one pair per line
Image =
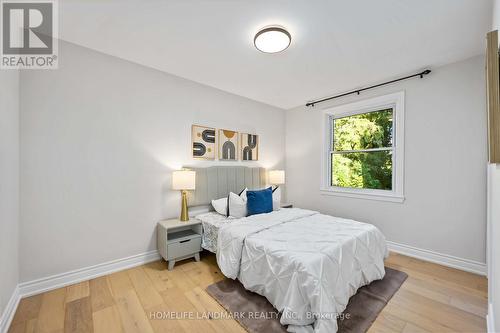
249,147
228,143
203,142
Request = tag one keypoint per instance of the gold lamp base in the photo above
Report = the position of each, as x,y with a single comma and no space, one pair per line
184,207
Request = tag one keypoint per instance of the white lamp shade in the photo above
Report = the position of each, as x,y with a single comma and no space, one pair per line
277,177
183,180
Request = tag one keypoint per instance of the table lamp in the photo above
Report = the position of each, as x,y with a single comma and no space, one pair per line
276,177
184,180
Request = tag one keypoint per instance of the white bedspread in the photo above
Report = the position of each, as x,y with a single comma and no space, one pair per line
306,264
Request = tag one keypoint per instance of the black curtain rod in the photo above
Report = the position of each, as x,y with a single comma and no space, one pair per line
357,91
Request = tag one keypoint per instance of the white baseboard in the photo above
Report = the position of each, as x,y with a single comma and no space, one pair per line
490,319
439,258
34,287
9,311
65,279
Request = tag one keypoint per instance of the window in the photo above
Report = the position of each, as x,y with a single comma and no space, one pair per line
363,148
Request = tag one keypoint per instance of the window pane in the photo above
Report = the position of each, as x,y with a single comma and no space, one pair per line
370,170
363,131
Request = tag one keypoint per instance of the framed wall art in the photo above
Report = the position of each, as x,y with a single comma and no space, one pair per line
249,147
228,145
204,142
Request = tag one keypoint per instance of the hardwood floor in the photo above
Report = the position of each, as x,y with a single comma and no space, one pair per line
434,298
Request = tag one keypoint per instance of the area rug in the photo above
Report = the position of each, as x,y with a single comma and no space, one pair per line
363,308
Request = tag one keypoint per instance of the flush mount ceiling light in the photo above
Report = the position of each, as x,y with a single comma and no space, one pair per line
272,39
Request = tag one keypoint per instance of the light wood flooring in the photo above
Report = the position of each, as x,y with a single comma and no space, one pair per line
434,298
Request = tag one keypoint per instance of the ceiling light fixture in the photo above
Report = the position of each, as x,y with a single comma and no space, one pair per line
272,39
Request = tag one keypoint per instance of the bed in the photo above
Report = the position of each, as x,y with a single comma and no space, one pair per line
305,263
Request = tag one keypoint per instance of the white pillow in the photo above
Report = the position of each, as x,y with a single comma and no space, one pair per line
243,194
277,199
238,204
220,206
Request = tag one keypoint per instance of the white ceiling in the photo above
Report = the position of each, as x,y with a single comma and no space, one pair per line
336,45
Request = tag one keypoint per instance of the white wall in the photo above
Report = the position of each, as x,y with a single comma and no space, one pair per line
445,156
9,185
99,139
494,224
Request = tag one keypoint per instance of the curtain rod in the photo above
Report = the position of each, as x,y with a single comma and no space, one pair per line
357,91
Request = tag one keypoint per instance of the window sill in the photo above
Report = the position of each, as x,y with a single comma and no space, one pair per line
363,194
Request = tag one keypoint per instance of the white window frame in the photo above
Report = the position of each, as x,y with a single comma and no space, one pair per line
396,101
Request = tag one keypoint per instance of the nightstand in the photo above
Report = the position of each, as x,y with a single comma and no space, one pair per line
179,240
286,205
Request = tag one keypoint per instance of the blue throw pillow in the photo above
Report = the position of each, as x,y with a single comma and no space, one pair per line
260,202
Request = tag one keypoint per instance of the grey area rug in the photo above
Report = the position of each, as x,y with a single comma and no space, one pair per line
363,308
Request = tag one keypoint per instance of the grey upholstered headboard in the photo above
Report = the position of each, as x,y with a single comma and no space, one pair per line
217,181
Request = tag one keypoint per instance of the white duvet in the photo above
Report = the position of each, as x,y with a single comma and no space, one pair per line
306,264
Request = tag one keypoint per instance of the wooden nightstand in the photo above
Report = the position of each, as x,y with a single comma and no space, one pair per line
179,240
286,205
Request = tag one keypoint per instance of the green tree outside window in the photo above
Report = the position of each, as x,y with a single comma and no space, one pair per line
362,150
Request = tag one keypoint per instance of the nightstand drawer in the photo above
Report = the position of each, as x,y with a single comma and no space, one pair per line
184,247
